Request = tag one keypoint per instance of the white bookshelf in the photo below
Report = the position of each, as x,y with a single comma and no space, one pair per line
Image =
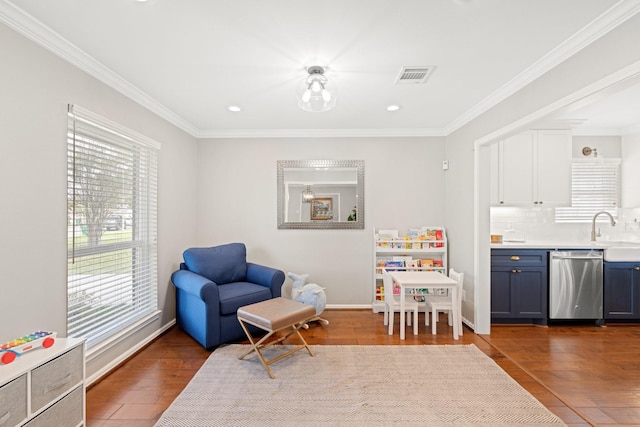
423,248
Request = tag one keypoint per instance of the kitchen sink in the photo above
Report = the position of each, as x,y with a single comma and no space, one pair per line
622,253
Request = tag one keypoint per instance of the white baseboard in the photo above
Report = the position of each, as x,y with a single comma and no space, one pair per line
349,306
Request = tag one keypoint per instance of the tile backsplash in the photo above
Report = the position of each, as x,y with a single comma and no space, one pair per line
539,224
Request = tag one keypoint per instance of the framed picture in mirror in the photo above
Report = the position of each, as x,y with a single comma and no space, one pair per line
322,209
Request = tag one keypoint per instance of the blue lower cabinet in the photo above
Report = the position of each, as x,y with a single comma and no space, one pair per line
622,291
502,300
519,286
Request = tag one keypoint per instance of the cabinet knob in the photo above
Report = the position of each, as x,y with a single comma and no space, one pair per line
513,271
636,268
502,202
515,258
516,271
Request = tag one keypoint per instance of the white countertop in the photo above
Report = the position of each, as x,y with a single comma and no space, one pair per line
548,244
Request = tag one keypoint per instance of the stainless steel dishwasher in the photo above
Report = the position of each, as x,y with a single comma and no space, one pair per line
575,285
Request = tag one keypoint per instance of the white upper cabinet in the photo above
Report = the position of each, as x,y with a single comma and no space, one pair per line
517,169
532,169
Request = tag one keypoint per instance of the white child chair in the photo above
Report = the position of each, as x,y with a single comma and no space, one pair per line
442,303
392,304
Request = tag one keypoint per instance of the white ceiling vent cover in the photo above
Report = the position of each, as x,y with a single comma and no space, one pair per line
414,74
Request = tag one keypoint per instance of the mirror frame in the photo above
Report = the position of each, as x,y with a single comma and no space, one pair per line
282,165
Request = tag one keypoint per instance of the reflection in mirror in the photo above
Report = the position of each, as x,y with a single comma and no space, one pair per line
320,194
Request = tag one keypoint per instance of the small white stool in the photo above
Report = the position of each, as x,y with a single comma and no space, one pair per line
274,315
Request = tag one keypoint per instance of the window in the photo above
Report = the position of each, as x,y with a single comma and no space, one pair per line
595,187
112,227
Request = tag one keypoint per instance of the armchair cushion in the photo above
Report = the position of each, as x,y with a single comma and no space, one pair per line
220,264
236,295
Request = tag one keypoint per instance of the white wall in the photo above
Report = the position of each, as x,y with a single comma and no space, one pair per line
404,188
608,146
36,87
611,53
630,148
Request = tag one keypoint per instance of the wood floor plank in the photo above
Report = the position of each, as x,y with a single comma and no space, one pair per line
586,375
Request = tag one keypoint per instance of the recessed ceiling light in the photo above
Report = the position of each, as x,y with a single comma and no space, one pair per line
393,107
234,108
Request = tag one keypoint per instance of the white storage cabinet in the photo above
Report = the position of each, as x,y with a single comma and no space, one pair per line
45,387
532,168
391,245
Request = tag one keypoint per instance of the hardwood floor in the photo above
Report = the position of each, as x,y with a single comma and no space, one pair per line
585,374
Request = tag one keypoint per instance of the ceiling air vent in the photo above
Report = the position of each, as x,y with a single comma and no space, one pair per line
414,74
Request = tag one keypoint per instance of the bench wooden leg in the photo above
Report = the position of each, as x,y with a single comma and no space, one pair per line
262,343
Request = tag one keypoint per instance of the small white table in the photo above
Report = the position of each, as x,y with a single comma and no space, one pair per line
426,280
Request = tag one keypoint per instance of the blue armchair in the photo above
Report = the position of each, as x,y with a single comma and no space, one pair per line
212,284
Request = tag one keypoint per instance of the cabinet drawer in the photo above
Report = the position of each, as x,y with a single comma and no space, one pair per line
518,258
55,378
13,402
66,412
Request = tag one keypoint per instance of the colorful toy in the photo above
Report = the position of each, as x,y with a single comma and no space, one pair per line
12,349
309,293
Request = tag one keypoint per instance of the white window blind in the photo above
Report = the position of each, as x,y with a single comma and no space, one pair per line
595,185
112,228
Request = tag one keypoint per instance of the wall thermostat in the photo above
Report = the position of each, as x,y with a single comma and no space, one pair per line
445,164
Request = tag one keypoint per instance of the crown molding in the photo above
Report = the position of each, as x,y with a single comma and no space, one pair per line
558,124
607,21
25,24
320,133
629,72
597,132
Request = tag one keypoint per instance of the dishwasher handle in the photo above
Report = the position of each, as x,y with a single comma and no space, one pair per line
594,257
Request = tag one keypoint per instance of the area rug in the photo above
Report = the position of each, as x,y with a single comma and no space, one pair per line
430,385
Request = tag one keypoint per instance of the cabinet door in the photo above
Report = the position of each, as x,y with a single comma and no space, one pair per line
621,291
553,169
518,293
501,293
517,164
530,293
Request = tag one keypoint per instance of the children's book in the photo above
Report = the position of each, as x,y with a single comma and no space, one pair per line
414,264
394,265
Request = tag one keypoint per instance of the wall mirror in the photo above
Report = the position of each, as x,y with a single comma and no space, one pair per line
320,194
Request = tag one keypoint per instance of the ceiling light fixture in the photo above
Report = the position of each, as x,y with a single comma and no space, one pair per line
393,107
234,108
307,195
316,93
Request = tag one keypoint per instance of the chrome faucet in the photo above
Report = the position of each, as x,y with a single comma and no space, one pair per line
593,224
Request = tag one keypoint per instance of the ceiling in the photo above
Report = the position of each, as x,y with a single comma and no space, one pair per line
190,60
